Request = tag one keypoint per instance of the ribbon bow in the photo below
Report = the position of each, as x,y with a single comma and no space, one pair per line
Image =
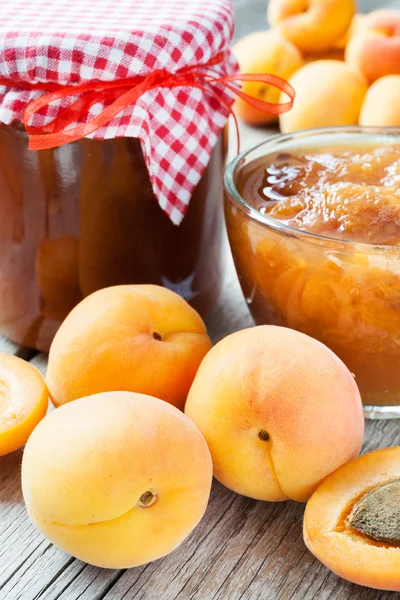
122,93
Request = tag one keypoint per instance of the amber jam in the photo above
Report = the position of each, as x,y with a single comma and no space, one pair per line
347,193
323,254
83,216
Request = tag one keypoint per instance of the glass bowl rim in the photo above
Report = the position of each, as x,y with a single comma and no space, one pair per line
275,224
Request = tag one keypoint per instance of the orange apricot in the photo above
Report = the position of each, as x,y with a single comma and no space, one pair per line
23,401
278,410
351,522
312,25
117,479
136,338
328,93
375,47
264,52
381,105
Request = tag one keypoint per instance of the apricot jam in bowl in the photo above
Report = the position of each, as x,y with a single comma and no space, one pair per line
313,220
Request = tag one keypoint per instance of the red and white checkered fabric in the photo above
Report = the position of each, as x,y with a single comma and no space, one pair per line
77,41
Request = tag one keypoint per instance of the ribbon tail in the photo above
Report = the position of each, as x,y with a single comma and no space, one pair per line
266,107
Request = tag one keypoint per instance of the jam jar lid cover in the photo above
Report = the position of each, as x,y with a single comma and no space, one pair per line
74,42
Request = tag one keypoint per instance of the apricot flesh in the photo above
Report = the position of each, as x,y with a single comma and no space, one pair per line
274,431
117,480
137,338
335,532
23,401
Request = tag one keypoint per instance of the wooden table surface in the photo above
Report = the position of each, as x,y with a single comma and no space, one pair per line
242,549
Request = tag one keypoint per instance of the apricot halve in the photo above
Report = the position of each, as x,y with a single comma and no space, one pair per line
352,521
23,402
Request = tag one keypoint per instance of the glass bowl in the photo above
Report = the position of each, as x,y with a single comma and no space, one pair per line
345,294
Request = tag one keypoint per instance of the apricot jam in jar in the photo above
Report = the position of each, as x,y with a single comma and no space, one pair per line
111,155
313,221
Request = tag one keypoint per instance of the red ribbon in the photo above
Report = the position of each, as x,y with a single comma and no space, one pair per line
123,93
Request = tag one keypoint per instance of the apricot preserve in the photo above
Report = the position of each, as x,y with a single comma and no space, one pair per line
82,217
314,225
111,154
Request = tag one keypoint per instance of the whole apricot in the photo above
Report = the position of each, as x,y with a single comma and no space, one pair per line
279,412
382,103
328,93
264,52
312,25
137,338
352,521
375,47
118,479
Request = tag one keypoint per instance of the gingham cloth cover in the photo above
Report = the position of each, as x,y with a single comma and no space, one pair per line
76,41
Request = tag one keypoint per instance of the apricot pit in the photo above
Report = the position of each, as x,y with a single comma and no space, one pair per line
377,513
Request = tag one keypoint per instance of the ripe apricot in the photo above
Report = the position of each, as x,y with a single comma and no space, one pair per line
312,25
328,93
381,105
374,48
23,401
351,523
264,52
117,479
278,410
137,338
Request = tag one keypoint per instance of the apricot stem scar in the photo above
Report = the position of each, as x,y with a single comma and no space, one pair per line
147,499
263,435
157,336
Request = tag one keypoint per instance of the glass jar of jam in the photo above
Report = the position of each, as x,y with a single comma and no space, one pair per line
111,154
313,221
83,216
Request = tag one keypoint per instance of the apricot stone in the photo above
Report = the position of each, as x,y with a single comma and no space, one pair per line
351,522
136,338
312,25
377,514
328,93
278,410
116,480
